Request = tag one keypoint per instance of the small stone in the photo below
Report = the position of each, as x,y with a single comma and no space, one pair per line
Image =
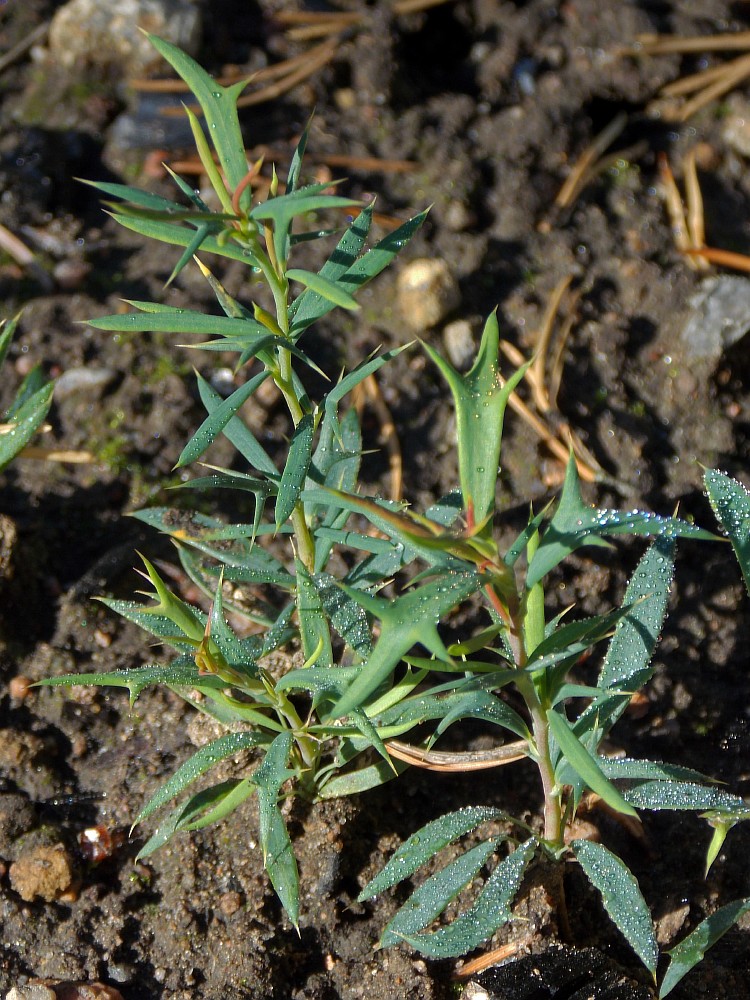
31,991
427,292
736,130
719,317
230,903
43,873
108,34
19,687
459,344
91,381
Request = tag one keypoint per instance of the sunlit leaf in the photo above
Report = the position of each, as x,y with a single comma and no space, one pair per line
689,952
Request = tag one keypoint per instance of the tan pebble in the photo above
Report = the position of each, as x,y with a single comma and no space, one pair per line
459,344
19,687
31,991
230,903
44,873
86,991
427,292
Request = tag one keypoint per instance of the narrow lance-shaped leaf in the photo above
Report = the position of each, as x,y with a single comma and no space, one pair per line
237,432
574,524
295,470
627,663
690,952
278,856
219,105
328,289
217,420
431,898
26,422
207,757
313,624
621,897
409,619
731,504
480,398
425,843
491,910
586,766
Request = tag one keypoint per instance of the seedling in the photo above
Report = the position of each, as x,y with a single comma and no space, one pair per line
335,724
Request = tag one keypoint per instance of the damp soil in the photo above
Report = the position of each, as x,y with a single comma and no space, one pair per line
491,102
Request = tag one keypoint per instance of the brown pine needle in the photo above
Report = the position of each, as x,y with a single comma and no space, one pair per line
694,198
493,957
583,169
736,73
537,377
686,228
725,258
654,45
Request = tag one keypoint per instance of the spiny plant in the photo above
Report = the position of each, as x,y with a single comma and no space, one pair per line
30,405
333,725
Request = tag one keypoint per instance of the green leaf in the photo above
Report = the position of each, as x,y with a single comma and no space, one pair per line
621,897
574,524
313,624
361,270
431,898
327,289
205,807
237,432
219,105
282,211
491,910
278,856
180,673
353,379
207,757
408,619
480,398
681,795
217,420
184,236
425,843
626,665
586,766
689,952
26,421
731,504
296,469
346,615
571,640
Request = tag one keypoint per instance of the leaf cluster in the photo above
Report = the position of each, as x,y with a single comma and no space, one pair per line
373,665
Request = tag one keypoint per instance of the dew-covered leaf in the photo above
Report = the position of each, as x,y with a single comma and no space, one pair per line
731,504
203,760
295,469
491,910
689,952
237,432
278,856
410,618
431,898
180,673
425,843
217,420
621,897
574,524
313,623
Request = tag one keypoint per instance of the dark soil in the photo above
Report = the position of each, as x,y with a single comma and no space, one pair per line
493,101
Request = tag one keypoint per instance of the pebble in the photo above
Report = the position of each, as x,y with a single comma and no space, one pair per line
43,873
51,990
426,292
736,129
459,344
83,380
719,317
107,33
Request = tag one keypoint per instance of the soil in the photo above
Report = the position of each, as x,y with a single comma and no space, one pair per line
493,101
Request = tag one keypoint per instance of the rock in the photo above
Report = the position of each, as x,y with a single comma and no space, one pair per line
106,34
49,989
736,128
91,381
719,317
459,344
32,991
43,873
426,292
